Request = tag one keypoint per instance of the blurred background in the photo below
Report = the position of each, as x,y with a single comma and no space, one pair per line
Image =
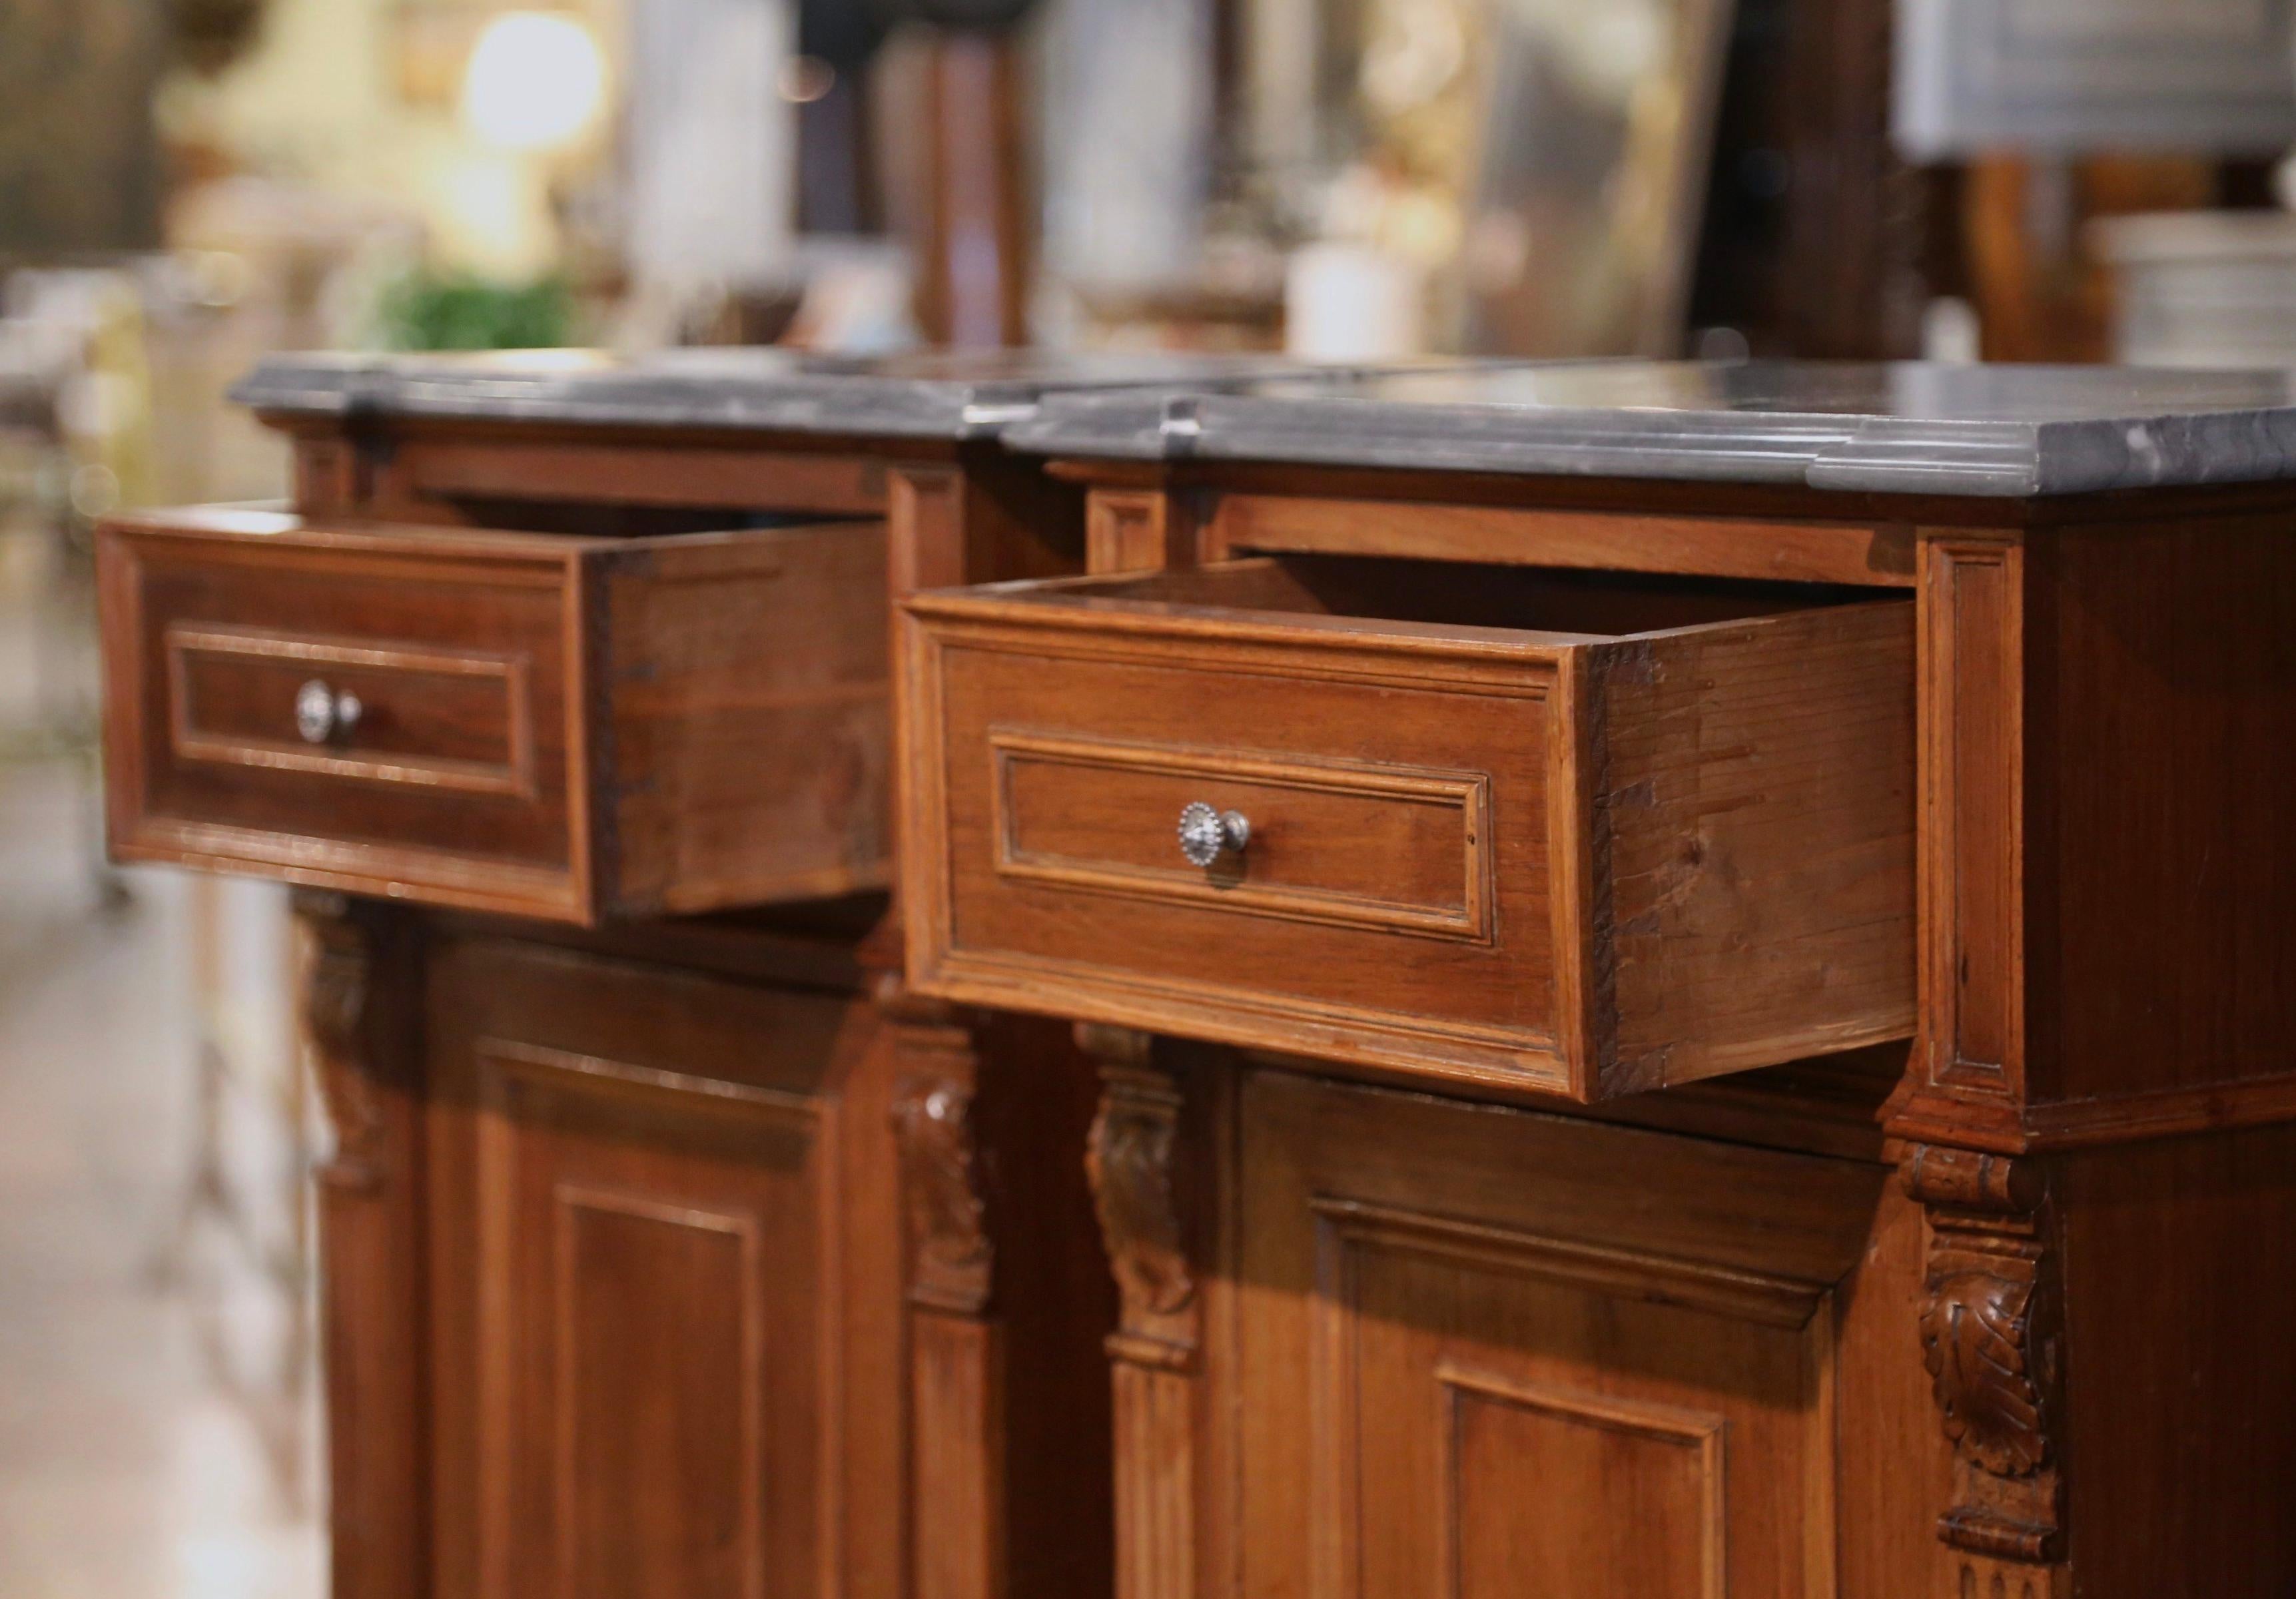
186,185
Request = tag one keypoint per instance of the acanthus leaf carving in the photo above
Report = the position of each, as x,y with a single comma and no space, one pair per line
1130,1164
1977,1341
337,987
944,1182
1990,1330
1140,1191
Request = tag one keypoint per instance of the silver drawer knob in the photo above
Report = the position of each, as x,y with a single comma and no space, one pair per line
1206,834
322,715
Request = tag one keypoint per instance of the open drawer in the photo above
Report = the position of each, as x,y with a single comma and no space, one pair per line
577,729
1584,835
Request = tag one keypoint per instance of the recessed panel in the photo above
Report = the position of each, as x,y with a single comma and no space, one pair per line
1347,843
657,1349
421,716
1658,1470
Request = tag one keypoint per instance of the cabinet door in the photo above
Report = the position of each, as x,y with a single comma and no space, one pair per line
1482,1354
644,1339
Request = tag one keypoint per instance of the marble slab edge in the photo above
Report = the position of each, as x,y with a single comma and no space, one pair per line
840,403
1849,454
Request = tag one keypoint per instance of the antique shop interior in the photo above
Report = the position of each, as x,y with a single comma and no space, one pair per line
1147,799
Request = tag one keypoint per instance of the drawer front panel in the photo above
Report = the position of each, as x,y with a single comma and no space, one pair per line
1395,879
1347,843
460,741
443,719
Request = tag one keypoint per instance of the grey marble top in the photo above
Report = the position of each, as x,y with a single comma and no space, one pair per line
1904,428
918,395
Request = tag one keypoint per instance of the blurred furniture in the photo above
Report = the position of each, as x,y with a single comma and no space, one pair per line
2201,288
1819,234
2039,117
710,147
36,467
1129,96
80,158
1542,170
92,414
123,416
977,248
74,426
838,188
1763,206
2069,76
1581,224
1831,229
2025,228
970,175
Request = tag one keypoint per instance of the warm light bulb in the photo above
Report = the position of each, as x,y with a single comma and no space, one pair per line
535,81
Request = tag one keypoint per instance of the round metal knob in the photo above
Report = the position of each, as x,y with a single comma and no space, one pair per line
322,715
1206,834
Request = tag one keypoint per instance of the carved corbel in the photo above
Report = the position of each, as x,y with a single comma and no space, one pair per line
943,1176
359,1013
1141,1182
956,1342
337,1001
1992,1327
1138,1190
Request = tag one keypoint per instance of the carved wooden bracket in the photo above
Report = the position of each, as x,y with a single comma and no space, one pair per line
338,987
1991,1323
1140,1191
944,1180
1143,1183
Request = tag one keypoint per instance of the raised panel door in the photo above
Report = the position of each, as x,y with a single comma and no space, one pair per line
649,1334
656,1343
1482,1354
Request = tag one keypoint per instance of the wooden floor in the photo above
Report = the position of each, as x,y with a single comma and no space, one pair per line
128,1469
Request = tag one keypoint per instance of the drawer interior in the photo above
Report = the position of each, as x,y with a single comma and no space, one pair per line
606,519
1356,589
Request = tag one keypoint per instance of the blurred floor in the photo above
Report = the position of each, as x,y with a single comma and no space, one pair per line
127,1471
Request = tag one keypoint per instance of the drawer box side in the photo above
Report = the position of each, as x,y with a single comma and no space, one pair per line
1757,871
741,708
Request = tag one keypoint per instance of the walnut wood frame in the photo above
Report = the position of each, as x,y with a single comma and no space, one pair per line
999,1482
2078,1096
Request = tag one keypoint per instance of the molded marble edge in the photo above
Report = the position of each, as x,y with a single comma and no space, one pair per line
858,404
852,401
1827,451
1845,450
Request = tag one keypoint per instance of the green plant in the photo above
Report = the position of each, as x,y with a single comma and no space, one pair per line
459,310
